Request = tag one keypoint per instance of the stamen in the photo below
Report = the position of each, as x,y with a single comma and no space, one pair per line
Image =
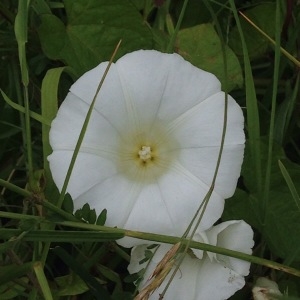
145,153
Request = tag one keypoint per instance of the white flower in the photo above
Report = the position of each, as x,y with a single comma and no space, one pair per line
205,275
151,147
265,289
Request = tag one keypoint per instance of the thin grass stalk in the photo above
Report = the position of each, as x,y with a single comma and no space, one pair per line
49,110
159,238
21,36
170,48
273,111
201,210
153,238
224,129
283,51
42,280
14,188
290,184
21,109
293,101
18,90
83,130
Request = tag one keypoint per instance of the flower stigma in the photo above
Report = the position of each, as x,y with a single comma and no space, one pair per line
145,154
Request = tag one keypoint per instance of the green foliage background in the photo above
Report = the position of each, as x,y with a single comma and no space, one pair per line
46,251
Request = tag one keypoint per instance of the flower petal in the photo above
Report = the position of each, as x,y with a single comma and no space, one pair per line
137,90
209,116
137,255
164,85
182,194
201,162
166,207
234,235
66,127
199,149
195,280
78,185
183,281
173,200
111,101
215,281
200,236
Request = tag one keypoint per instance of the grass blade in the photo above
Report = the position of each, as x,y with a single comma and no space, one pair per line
42,280
253,124
273,111
49,109
61,236
21,36
21,109
290,183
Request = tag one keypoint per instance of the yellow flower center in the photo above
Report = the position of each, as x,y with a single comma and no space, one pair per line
147,154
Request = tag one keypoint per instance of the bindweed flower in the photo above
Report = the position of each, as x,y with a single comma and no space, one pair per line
151,147
265,289
202,275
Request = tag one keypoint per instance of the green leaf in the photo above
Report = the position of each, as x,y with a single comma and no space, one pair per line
102,217
92,216
49,101
70,285
243,206
282,224
248,172
201,46
93,30
85,212
68,204
263,15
